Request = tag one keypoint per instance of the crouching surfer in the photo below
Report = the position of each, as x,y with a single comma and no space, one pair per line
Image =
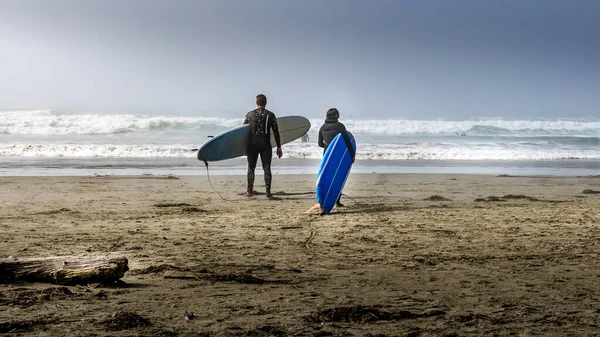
328,131
261,121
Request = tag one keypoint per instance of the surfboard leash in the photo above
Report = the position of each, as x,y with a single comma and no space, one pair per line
210,183
349,197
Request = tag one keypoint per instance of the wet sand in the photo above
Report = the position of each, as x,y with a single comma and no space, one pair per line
409,255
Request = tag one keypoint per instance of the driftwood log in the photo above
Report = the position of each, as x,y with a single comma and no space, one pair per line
63,269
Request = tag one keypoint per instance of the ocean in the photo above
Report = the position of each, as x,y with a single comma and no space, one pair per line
45,142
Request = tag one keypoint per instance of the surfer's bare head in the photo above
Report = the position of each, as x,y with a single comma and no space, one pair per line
333,113
261,100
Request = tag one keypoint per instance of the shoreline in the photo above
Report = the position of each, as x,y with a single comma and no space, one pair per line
190,166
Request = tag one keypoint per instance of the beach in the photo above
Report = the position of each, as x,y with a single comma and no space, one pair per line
408,255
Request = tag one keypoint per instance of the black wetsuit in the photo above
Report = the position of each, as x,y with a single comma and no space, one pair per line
261,122
327,132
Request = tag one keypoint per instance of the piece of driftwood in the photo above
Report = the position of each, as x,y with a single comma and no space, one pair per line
63,269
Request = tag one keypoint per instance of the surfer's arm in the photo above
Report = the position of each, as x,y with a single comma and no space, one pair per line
247,119
347,140
275,129
320,140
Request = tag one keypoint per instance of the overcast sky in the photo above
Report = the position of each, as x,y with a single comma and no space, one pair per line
378,58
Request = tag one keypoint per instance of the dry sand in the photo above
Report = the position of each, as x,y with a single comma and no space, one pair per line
409,255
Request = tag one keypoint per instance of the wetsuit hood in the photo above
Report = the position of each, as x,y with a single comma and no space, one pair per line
331,120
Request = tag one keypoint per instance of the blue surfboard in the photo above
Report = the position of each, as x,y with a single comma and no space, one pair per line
333,172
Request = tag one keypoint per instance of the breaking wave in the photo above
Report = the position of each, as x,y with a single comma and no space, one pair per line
47,122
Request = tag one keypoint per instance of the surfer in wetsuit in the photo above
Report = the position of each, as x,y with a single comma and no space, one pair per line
329,130
261,121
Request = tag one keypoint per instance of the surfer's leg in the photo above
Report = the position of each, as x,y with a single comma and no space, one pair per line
338,203
265,158
252,159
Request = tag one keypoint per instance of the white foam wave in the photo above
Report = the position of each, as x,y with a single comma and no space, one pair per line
45,122
463,154
96,151
482,127
299,150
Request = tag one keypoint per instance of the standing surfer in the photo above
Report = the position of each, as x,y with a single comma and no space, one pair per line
329,130
261,121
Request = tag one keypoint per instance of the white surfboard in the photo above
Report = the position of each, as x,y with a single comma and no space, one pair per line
233,143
